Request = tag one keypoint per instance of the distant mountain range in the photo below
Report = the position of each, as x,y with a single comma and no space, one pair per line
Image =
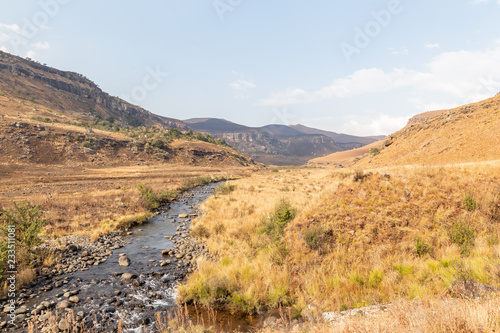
279,144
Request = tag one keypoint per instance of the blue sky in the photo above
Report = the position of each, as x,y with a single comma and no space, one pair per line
357,67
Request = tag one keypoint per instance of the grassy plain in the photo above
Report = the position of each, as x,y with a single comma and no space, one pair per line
82,200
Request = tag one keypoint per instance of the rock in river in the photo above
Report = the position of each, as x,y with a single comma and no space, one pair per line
124,261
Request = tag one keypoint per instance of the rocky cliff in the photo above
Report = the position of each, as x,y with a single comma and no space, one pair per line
55,88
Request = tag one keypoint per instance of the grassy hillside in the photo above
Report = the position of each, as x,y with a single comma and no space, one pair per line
323,240
465,134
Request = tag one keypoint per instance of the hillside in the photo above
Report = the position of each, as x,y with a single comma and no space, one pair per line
66,96
57,128
278,144
464,134
344,140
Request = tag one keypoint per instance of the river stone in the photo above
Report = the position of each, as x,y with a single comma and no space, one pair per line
20,318
128,276
74,299
72,248
124,261
63,325
164,252
63,305
85,253
21,310
182,216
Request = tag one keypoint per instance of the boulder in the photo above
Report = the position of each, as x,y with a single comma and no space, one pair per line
128,276
74,299
63,305
124,261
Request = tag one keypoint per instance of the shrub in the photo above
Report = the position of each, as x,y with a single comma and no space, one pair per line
470,203
374,151
159,144
312,237
375,278
421,249
152,199
27,222
359,175
149,196
462,235
225,189
276,222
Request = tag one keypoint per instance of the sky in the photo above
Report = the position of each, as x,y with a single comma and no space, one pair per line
356,67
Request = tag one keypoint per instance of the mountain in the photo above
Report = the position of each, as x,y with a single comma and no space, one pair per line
54,117
278,144
74,96
214,125
465,134
343,140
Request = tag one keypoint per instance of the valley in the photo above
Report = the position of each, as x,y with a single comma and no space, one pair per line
129,221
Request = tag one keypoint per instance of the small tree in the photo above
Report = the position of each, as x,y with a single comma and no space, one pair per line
25,222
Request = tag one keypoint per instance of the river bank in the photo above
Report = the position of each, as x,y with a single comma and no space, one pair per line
91,282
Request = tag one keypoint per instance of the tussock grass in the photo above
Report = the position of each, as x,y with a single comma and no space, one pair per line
351,243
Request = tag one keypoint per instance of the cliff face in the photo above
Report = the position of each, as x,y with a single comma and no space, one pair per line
258,142
70,92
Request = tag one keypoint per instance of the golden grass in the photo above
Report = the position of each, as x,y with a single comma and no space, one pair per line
464,134
352,244
440,315
81,200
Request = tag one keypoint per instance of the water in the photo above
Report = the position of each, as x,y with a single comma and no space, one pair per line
105,299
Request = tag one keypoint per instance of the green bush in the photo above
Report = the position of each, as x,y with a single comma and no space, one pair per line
470,203
149,196
159,144
421,249
27,221
462,235
152,199
275,224
374,151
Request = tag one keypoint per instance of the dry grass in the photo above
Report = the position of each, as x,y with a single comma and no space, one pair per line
440,315
81,200
352,243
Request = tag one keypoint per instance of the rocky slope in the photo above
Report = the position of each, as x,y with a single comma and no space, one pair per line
69,94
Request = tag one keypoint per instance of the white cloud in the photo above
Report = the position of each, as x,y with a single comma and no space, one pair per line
242,88
402,51
31,54
41,46
12,28
3,48
382,124
432,46
458,77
